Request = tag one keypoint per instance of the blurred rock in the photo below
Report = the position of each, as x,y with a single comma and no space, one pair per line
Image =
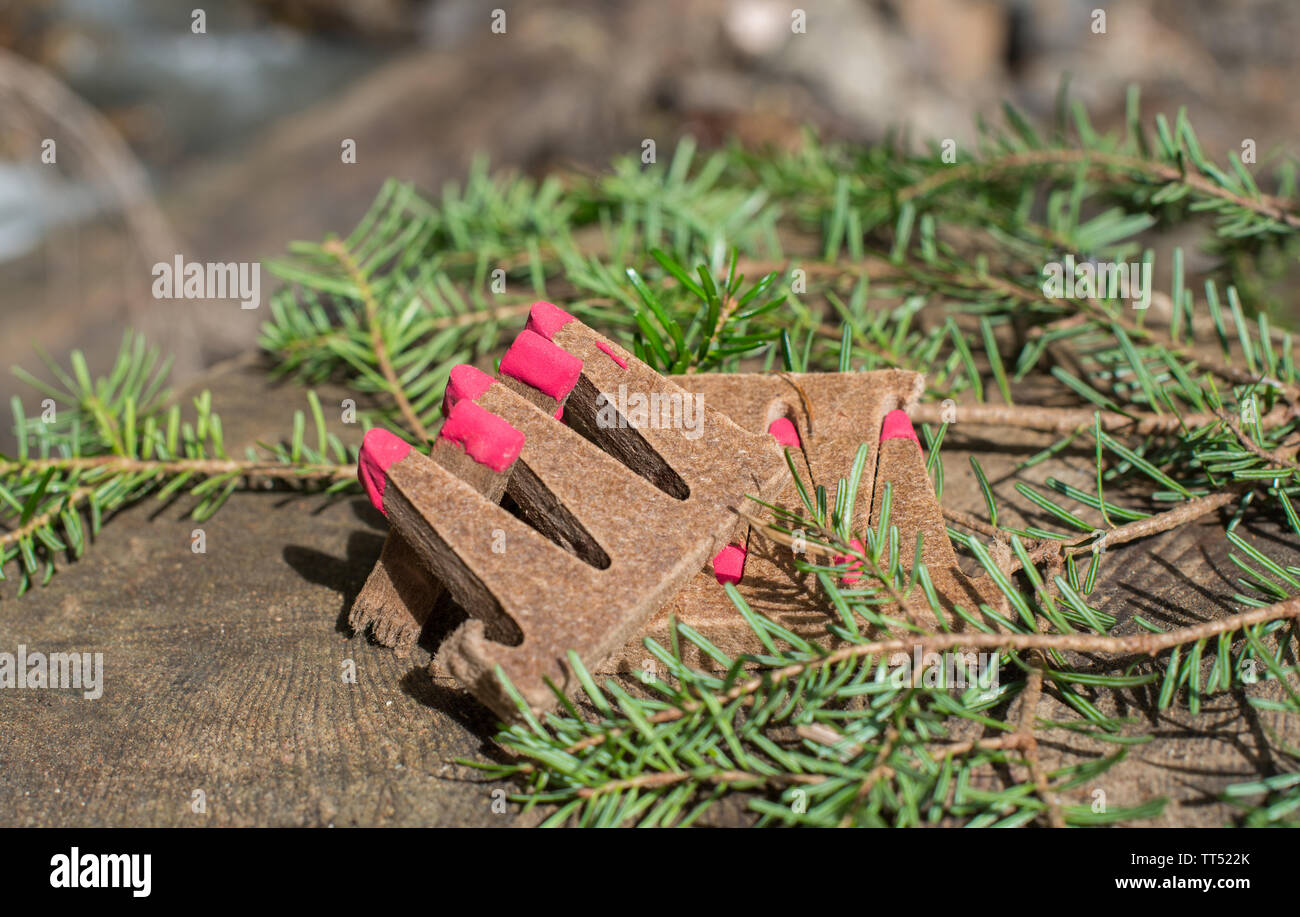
241,128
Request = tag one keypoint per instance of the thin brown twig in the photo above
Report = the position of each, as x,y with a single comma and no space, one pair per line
1168,520
1141,644
804,400
825,735
996,743
1277,459
112,464
36,522
1066,420
1029,743
872,267
336,248
1265,204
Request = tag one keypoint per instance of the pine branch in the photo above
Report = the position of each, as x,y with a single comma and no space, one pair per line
1131,645
1067,420
739,701
1266,205
337,249
325,472
111,441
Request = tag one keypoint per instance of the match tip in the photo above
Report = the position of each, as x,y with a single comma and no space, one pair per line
729,564
380,450
898,425
609,351
465,382
535,361
784,432
485,437
546,318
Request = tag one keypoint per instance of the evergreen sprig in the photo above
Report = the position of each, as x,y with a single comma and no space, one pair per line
836,737
100,444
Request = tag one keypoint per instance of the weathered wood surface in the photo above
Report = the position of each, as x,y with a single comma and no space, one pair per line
1175,579
223,671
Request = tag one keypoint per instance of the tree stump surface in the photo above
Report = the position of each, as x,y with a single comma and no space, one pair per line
224,671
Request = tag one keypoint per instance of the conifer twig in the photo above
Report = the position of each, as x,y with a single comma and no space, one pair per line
116,464
1028,743
1145,644
1281,458
336,248
1065,420
70,501
1170,519
1264,204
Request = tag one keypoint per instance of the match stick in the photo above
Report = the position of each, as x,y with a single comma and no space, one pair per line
599,547
667,455
400,593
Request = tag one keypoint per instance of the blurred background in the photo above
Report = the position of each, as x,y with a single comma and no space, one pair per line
224,145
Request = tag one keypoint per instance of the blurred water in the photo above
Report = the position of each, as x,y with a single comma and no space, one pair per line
206,92
188,96
33,201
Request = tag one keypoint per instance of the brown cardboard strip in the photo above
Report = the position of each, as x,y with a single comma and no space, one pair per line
400,592
833,414
599,546
622,505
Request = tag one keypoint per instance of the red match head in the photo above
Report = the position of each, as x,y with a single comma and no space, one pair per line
854,573
535,361
898,425
783,431
545,318
729,564
465,382
380,450
485,437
